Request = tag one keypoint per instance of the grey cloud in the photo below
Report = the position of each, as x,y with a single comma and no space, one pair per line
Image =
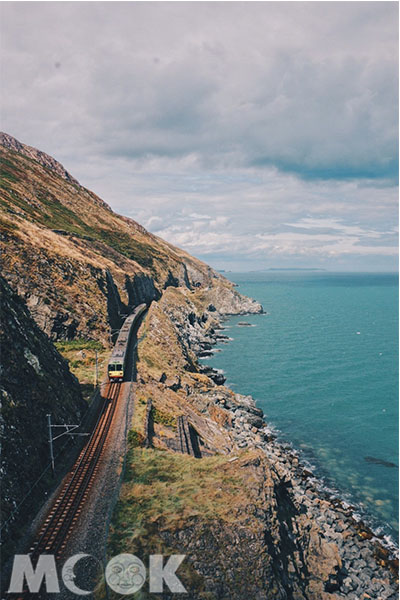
254,114
310,89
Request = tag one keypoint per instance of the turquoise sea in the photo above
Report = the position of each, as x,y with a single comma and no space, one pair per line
323,365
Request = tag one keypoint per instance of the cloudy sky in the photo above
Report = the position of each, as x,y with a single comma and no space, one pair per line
252,134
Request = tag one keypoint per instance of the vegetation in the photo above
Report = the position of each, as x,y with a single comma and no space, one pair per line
126,245
163,490
81,356
163,418
159,353
79,344
137,433
7,226
46,207
135,439
7,170
167,488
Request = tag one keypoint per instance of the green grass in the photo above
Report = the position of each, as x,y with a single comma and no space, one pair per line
164,491
163,418
166,487
12,199
8,175
7,170
135,439
128,246
79,344
59,216
81,357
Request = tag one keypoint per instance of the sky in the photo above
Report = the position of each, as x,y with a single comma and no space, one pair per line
254,135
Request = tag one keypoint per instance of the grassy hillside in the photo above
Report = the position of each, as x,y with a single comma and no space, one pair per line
79,265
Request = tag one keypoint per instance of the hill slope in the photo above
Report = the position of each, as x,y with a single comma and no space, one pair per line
79,265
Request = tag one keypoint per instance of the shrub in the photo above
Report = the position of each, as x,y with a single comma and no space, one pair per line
135,439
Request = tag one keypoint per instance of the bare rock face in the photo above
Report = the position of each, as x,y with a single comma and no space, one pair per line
35,381
230,302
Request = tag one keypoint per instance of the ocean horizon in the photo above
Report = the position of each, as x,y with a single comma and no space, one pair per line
323,365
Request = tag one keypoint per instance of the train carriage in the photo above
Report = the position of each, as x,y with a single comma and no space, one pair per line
117,363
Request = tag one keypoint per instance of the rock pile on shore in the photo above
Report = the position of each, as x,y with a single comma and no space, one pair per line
365,567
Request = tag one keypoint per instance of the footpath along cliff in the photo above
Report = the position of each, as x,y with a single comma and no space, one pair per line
204,475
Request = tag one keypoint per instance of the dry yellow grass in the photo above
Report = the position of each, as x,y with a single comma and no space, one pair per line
59,239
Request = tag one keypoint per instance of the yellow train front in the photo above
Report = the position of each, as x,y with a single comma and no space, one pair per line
115,371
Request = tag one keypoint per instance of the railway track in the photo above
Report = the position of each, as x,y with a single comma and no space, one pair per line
65,512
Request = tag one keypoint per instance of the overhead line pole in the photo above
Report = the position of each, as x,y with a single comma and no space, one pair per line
51,444
69,430
97,371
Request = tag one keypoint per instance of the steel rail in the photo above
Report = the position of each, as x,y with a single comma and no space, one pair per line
65,512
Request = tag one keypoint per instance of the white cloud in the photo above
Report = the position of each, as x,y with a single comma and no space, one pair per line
308,88
153,223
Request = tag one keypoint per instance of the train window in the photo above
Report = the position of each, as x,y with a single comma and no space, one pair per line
119,367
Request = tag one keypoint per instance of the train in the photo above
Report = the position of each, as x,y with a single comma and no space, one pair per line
117,363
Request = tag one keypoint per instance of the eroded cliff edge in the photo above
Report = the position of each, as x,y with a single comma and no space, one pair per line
252,522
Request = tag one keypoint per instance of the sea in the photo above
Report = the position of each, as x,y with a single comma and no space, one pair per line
322,363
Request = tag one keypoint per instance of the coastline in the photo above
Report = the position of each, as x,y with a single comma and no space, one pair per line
265,387
310,543
205,476
294,467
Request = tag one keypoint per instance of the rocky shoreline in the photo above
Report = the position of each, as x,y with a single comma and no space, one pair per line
243,507
368,563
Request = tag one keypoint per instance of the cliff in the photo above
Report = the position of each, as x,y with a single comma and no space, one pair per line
251,520
77,269
35,381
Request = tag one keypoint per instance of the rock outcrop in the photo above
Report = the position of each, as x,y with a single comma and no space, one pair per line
41,157
230,302
35,381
